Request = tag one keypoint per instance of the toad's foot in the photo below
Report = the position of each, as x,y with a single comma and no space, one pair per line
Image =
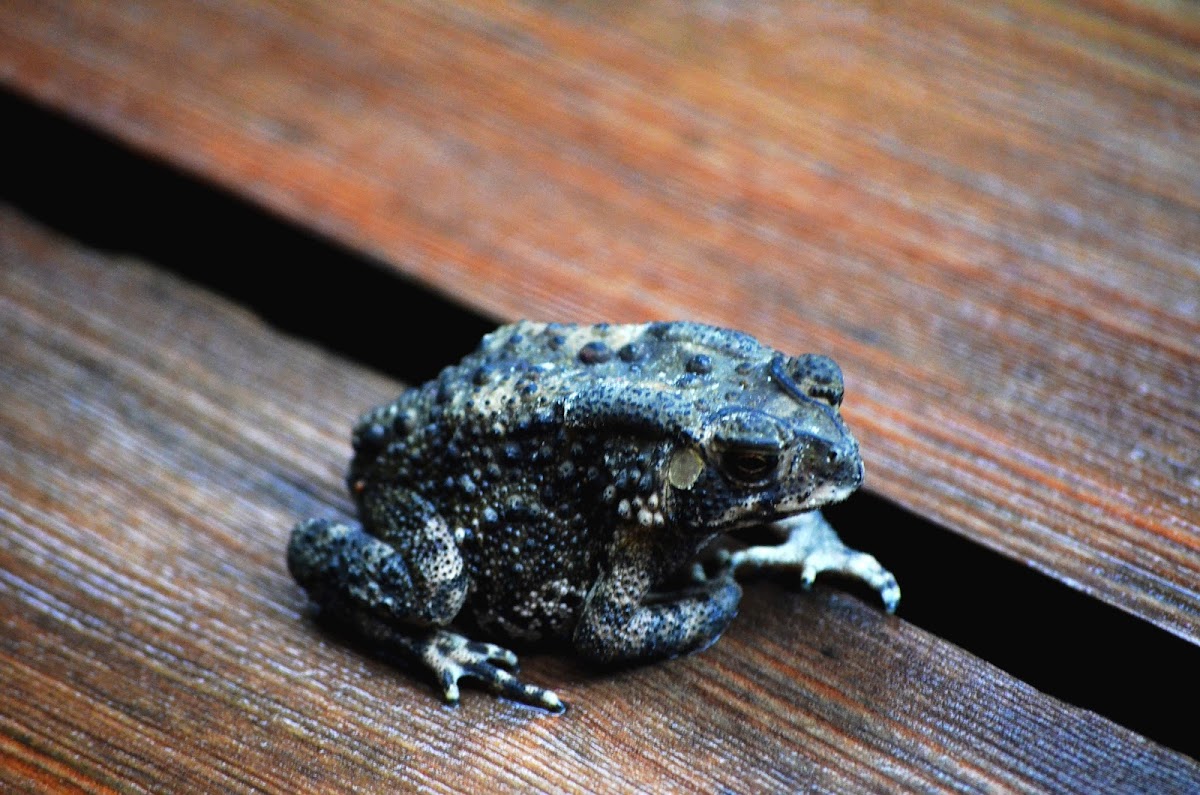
811,547
452,657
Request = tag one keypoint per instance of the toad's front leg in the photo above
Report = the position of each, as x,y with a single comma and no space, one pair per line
811,546
623,621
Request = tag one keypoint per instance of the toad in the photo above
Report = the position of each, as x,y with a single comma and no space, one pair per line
551,486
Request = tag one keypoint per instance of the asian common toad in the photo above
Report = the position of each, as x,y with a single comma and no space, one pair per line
552,483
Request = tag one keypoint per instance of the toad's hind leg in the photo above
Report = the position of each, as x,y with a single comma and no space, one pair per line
402,565
364,584
346,569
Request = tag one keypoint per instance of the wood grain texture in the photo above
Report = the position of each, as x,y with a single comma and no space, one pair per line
988,212
157,443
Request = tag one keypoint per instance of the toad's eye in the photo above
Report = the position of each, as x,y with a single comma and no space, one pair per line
749,466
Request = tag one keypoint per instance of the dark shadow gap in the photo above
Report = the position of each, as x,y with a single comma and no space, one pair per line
108,197
1037,629
1055,638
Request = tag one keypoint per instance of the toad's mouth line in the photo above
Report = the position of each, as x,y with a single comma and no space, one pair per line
764,514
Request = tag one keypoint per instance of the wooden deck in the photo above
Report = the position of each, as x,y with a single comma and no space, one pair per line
988,213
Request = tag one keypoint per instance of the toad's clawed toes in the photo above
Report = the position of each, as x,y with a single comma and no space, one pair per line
452,657
812,548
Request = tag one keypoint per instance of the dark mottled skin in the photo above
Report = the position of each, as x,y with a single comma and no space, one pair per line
551,481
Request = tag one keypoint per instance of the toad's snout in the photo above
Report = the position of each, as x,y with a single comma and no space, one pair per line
828,461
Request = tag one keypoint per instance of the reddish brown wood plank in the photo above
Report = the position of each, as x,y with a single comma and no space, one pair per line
156,445
988,212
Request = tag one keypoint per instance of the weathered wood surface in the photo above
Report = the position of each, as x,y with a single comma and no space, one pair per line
156,444
988,212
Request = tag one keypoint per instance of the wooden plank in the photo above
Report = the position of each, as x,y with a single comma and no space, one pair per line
157,443
987,212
